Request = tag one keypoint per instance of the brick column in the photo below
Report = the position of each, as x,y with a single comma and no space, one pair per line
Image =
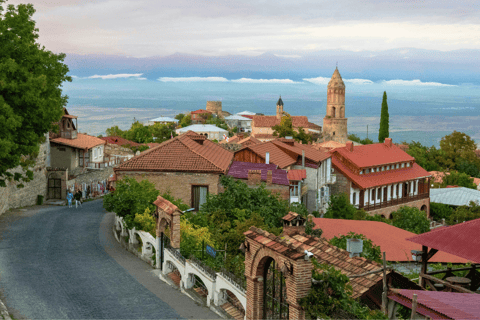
298,286
175,231
254,298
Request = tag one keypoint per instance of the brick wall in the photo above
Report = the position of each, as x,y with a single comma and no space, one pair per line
13,197
341,185
386,212
178,183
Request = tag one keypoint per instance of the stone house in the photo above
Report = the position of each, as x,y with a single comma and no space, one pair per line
262,125
289,155
188,166
380,178
71,150
243,124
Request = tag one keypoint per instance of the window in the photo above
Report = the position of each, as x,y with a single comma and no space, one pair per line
354,198
373,194
95,153
398,165
361,171
414,187
199,196
403,165
379,195
408,164
388,167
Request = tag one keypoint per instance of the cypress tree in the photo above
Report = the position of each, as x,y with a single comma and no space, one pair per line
384,119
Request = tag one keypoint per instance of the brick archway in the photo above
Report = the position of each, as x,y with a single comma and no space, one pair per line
168,214
291,262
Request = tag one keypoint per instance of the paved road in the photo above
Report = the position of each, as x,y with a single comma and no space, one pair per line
64,263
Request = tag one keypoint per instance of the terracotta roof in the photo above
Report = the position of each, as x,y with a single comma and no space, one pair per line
290,216
391,239
166,206
310,152
270,121
383,177
240,170
297,174
314,126
461,240
277,155
374,154
247,116
153,144
200,111
188,152
120,141
329,145
83,141
264,136
438,304
294,248
249,141
69,116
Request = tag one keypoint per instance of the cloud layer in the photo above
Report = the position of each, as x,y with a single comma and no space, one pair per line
156,28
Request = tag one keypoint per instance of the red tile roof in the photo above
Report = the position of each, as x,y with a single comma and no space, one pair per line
462,240
391,239
120,141
270,121
83,141
290,216
249,141
310,152
264,136
294,248
188,152
383,177
297,175
200,111
438,304
277,155
166,206
329,145
374,154
314,126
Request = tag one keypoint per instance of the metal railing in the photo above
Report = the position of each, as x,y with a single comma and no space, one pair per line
238,282
203,267
393,202
176,254
232,299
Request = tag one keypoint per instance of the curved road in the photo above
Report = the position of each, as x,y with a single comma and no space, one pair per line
64,263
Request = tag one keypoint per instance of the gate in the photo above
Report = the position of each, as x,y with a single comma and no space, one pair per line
54,188
275,304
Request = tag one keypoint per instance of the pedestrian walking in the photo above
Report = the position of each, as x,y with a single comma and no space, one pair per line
69,198
78,198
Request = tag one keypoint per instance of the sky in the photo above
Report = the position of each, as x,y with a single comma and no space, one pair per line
146,28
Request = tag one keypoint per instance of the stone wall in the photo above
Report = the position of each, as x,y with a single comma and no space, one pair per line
341,185
231,146
114,149
13,197
178,183
214,107
337,126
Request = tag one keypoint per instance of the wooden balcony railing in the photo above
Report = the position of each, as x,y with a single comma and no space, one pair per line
393,202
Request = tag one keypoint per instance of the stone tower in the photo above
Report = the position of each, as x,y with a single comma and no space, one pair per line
280,108
215,107
335,123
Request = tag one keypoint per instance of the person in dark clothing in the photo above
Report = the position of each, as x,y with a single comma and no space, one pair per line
78,198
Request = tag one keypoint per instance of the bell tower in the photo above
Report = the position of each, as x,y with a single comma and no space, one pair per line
280,108
335,123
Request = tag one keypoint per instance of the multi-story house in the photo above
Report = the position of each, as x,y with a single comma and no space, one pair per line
380,178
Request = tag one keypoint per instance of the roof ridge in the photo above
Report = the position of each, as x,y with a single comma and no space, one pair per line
200,155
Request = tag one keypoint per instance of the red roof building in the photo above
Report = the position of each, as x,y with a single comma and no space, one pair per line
120,141
288,154
380,178
189,166
392,240
200,116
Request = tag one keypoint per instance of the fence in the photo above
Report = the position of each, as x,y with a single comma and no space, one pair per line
216,284
393,202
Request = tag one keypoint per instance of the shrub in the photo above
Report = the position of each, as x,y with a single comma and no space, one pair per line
440,211
145,222
370,250
411,219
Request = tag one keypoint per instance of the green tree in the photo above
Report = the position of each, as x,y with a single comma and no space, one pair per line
384,120
186,121
458,179
302,136
430,159
339,207
458,147
285,128
440,211
370,250
465,213
411,219
179,117
31,99
162,132
472,169
354,137
131,197
115,131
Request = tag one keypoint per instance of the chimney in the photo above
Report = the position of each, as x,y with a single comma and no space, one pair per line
293,224
388,142
303,159
350,146
269,177
254,176
267,158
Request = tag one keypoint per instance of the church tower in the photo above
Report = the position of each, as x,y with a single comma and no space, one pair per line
280,108
335,123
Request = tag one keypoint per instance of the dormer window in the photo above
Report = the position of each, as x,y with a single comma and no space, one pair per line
378,169
388,167
361,171
408,164
383,168
403,165
398,165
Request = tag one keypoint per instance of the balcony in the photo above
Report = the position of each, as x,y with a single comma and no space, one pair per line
393,202
71,134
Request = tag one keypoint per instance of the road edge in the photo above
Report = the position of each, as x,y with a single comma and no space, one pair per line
4,311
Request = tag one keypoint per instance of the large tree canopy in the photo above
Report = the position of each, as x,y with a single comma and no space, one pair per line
458,147
30,89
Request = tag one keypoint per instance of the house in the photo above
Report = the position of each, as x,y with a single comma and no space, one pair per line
72,150
209,131
437,177
455,197
380,178
188,166
163,120
118,149
276,180
243,124
390,239
262,125
200,116
288,154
